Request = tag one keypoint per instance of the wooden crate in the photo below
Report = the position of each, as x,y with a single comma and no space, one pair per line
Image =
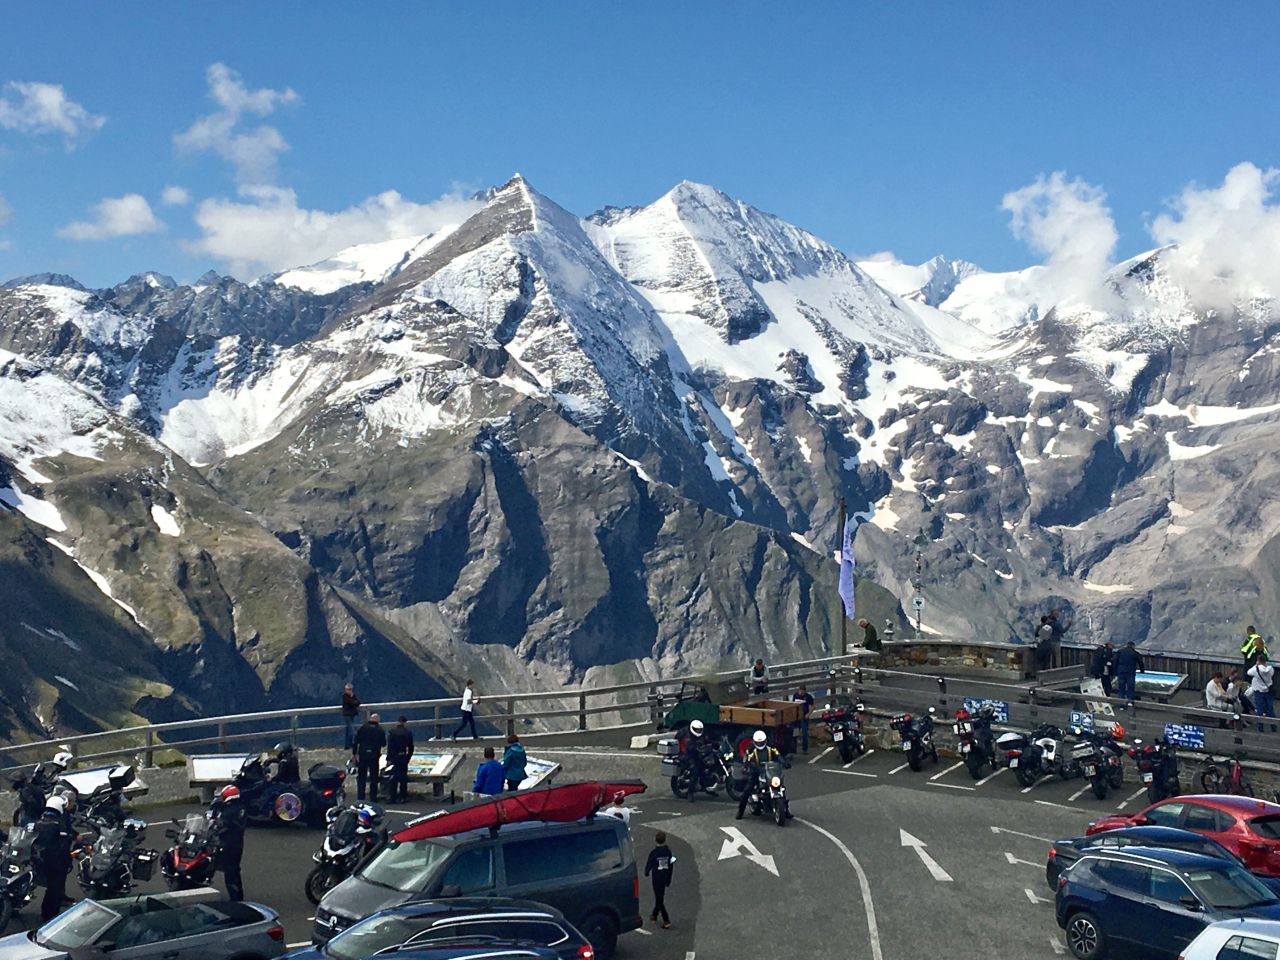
765,713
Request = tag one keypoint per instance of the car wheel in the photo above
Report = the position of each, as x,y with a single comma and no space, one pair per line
602,933
1085,937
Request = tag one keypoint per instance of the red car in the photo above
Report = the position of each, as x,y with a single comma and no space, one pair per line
1247,827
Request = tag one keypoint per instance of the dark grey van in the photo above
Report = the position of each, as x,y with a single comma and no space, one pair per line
586,870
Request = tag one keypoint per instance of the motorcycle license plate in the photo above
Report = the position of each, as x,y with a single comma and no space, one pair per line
1013,761
906,746
965,748
837,736
1148,777
1090,770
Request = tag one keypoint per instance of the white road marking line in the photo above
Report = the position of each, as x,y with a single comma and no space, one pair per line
647,933
1012,859
897,768
821,755
300,943
861,756
1060,806
1057,945
1130,800
1035,897
941,774
853,773
1029,836
932,865
873,929
1035,783
989,776
951,786
670,813
1078,794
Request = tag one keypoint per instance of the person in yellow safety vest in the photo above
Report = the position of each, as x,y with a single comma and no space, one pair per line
1252,646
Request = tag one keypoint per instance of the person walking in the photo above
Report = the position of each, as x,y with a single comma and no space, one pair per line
367,749
618,809
1261,676
659,867
489,775
1128,666
51,851
350,710
1252,646
514,763
759,676
1102,666
468,705
805,699
399,753
229,819
870,639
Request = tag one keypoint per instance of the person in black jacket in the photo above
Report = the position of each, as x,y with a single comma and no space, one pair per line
51,851
367,749
350,710
1128,666
399,752
1102,666
229,819
660,866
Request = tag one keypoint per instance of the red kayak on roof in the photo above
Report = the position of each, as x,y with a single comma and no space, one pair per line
553,804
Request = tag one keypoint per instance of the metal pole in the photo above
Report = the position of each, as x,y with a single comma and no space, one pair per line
148,758
844,625
582,714
511,717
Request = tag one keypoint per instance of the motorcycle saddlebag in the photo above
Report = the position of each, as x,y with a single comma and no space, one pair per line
670,766
668,747
1010,741
325,775
144,864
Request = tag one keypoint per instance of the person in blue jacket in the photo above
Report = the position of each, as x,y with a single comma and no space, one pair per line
489,778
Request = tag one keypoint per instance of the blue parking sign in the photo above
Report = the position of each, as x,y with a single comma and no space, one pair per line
1082,720
1184,735
1001,708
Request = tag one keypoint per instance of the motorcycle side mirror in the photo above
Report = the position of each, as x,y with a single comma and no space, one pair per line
1190,902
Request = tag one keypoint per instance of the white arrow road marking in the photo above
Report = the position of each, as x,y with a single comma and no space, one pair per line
1029,836
1131,799
853,773
738,845
1035,897
861,756
1012,859
930,864
1057,945
821,755
954,766
901,766
998,771
873,929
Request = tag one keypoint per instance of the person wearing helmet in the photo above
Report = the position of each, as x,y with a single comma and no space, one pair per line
63,759
229,818
756,757
282,766
399,753
695,748
51,851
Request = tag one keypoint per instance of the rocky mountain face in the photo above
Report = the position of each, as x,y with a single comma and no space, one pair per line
542,450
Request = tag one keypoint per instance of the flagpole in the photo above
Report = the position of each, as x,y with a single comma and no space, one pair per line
844,639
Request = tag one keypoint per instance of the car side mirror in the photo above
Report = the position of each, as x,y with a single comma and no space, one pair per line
1190,902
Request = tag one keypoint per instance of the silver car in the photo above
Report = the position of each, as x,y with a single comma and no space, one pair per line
186,924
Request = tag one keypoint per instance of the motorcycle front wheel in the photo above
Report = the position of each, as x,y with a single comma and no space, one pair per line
680,786
1100,787
780,812
319,882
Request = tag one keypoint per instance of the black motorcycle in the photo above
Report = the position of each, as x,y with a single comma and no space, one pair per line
1157,768
115,861
844,726
1033,755
104,807
17,875
917,737
769,793
976,741
709,771
189,863
267,799
33,789
353,832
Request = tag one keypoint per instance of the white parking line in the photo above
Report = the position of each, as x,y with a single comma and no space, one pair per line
861,756
1058,948
1078,794
821,755
1060,806
952,786
647,933
689,955
1130,800
943,773
1029,836
852,773
1035,897
1034,784
873,929
899,767
990,776
1012,859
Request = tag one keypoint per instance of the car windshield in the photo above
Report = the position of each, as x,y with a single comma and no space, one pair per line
1268,827
405,866
1228,887
77,927
377,933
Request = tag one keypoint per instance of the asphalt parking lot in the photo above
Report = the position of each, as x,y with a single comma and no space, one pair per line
879,862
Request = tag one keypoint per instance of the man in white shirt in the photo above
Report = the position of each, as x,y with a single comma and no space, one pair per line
469,700
619,808
1261,674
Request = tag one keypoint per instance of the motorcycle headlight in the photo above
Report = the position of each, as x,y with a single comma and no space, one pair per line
776,783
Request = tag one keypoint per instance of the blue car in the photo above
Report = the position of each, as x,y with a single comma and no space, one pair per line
1151,898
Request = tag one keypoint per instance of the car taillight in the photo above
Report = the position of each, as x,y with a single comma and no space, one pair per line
1053,852
635,887
276,933
342,775
326,793
586,953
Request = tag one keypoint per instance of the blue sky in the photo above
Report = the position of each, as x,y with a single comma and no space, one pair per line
886,126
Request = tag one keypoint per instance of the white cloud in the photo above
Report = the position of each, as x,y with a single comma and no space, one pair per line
1069,223
173,196
44,108
125,216
270,232
253,151
1227,237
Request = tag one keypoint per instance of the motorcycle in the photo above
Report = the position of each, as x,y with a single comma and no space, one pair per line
17,876
769,793
267,800
113,863
348,840
845,729
105,805
1157,768
917,737
189,863
977,743
1031,756
33,790
711,776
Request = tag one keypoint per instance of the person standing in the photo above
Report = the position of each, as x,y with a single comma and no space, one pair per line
1128,666
229,818
367,749
870,639
468,705
51,851
1261,676
659,867
1044,644
514,763
1102,666
399,753
759,676
350,710
618,809
805,699
1238,691
1252,646
489,775
1059,631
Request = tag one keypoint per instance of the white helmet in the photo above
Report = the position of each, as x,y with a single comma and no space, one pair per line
62,759
57,804
696,728
759,738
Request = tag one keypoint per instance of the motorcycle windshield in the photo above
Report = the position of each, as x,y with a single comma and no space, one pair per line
194,829
343,829
770,770
18,847
108,848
